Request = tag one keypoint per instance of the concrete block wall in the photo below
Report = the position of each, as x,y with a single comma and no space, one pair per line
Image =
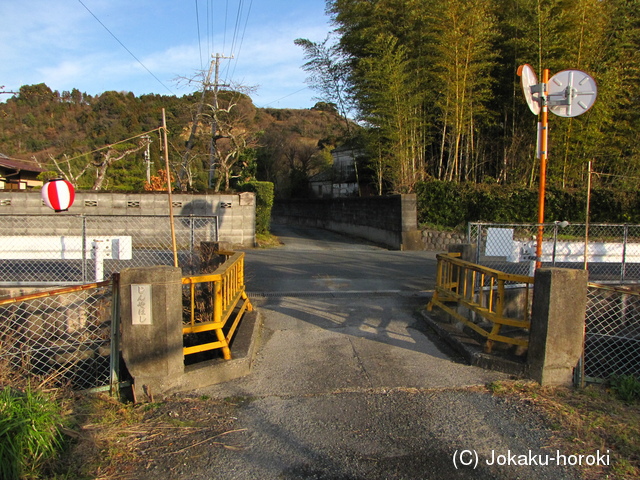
388,220
235,212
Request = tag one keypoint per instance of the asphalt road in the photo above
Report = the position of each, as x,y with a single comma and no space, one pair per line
317,261
347,384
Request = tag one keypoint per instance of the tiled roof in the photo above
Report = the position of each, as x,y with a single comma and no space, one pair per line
17,165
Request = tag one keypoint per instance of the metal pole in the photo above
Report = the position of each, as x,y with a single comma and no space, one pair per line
192,243
84,249
166,161
555,242
478,242
623,267
114,360
586,223
544,120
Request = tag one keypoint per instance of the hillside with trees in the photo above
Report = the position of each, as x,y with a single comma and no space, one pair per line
100,142
431,86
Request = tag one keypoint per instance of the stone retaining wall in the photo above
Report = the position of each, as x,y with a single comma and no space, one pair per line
434,240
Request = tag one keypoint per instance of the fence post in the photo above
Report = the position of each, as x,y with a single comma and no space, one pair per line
623,265
555,242
467,251
151,320
556,339
114,358
192,244
84,249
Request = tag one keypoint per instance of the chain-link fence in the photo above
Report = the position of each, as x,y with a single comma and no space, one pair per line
612,251
60,338
612,333
72,249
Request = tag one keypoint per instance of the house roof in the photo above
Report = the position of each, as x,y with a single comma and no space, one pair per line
325,176
18,165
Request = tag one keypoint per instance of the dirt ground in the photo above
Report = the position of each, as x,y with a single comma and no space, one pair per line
189,436
156,440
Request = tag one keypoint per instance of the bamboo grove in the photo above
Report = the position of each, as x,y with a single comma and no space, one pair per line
434,83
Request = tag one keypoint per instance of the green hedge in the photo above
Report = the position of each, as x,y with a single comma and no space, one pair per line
453,205
264,203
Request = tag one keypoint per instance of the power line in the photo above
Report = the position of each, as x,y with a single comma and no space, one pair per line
199,40
123,46
114,144
224,32
236,26
240,23
282,98
244,31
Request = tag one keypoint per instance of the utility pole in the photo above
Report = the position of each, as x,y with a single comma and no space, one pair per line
185,170
214,122
169,188
147,156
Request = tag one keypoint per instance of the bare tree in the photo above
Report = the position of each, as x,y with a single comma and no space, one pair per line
112,155
232,136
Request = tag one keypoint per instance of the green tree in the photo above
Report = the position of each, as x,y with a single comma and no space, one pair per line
465,58
390,102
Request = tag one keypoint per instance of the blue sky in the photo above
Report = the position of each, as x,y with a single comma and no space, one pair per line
60,43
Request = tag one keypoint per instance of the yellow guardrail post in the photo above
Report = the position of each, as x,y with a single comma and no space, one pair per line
488,301
227,294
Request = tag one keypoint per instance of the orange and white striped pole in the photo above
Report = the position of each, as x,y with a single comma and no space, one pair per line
544,148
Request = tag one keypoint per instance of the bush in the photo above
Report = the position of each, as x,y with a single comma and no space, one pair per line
453,205
626,387
29,432
264,203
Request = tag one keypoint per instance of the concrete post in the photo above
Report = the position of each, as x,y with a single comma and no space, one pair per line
151,319
411,236
467,251
557,324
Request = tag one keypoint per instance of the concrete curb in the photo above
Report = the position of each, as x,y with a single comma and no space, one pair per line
243,350
471,350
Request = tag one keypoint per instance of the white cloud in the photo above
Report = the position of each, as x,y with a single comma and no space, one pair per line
62,45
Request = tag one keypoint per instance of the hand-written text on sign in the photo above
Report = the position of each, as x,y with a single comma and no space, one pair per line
141,304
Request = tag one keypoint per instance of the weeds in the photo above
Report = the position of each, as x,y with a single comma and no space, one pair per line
30,423
626,387
586,420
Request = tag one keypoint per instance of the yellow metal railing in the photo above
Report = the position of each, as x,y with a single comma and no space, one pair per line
221,302
481,290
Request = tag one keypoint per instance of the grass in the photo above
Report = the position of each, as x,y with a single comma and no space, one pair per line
30,432
626,388
587,420
267,240
101,427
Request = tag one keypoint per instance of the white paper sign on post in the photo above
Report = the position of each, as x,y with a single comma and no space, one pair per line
141,313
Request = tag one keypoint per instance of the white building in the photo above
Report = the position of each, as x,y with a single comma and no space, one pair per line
341,180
